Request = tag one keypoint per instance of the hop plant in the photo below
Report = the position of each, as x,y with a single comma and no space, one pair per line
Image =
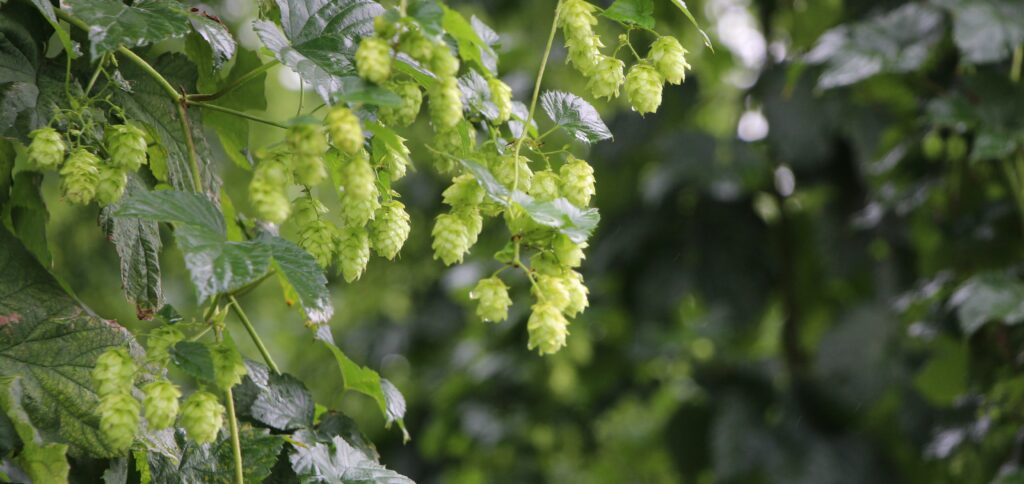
80,175
353,252
126,145
389,229
584,52
552,290
578,182
446,104
111,185
443,62
228,367
670,59
202,416
119,419
306,210
345,130
494,301
473,221
577,20
451,238
373,60
547,328
567,252
267,190
933,145
114,372
545,185
405,113
578,292
46,151
317,238
505,171
416,46
607,77
395,164
306,139
359,200
643,88
463,192
160,403
159,343
577,15
501,96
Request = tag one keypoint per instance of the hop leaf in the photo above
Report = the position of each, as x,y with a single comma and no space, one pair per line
373,60
451,238
643,88
501,96
389,229
670,59
607,77
80,174
346,132
547,328
405,113
160,403
317,238
545,185
111,185
578,182
114,372
46,151
446,104
353,252
119,419
126,145
202,416
492,294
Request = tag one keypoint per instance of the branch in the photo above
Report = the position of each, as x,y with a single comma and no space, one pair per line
236,442
240,114
192,98
252,333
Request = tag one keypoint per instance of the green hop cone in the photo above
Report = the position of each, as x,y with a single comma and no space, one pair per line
202,416
956,148
577,19
577,294
119,420
159,344
643,88
46,151
464,191
492,294
353,252
501,96
584,52
306,210
545,186
446,104
473,222
578,182
309,170
114,372
405,113
548,264
670,59
111,185
451,238
607,77
389,229
548,329
504,170
80,175
443,62
267,190
228,367
318,238
306,139
373,60
126,145
567,252
160,404
346,132
360,197
933,145
577,15
416,46
450,143
552,290
395,164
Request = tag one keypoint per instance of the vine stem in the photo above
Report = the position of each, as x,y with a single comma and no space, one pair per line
1018,59
252,333
248,76
193,157
236,442
240,114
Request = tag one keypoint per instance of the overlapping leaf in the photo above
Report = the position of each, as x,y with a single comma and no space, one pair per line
364,380
986,297
113,23
575,115
137,242
635,12
986,30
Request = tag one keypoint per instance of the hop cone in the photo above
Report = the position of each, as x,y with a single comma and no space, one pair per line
501,96
405,113
353,252
577,15
160,341
933,145
607,77
956,148
126,145
443,62
119,419
160,403
114,372
202,416
584,51
46,151
577,294
228,367
359,200
473,221
267,190
446,104
306,139
567,252
643,88
670,59
545,186
451,238
346,132
463,192
81,174
317,238
417,46
552,290
306,210
395,164
389,229
578,182
373,60
111,185
548,329
492,294
505,169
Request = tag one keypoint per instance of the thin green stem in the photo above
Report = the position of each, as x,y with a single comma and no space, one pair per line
248,76
95,75
193,157
236,442
252,333
536,93
240,114
1018,59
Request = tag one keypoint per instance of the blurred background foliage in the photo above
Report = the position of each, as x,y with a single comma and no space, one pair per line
808,268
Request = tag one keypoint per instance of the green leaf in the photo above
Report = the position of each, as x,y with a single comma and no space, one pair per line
471,47
477,95
428,14
51,342
280,401
338,461
175,207
194,358
137,242
181,460
632,12
898,41
363,380
335,424
222,45
993,145
46,8
26,215
681,4
232,130
990,296
944,377
113,24
19,60
301,272
575,115
42,461
319,39
260,450
988,30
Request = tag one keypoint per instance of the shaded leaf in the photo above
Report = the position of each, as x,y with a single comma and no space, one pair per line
113,24
471,47
137,242
364,380
990,296
635,12
575,115
26,215
222,45
986,30
305,277
280,401
42,461
338,461
681,4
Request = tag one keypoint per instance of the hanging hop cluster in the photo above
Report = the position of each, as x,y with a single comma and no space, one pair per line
665,61
202,416
113,377
84,175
